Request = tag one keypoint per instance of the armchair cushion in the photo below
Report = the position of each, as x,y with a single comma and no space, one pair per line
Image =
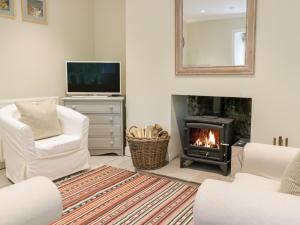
41,117
290,182
57,145
253,181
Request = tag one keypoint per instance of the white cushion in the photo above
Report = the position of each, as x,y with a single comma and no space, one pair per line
253,181
41,117
57,145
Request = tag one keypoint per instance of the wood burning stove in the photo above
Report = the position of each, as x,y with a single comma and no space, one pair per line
208,139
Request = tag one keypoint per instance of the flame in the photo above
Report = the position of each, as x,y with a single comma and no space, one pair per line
209,142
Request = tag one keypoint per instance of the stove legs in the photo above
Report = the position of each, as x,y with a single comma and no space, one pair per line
182,163
225,169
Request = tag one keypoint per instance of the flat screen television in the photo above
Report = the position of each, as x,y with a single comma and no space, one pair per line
86,77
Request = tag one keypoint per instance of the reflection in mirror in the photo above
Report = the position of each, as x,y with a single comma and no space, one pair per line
214,33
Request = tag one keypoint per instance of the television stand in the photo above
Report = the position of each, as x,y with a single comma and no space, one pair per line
90,96
106,115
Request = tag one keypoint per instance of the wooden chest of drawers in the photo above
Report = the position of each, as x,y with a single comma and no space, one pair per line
106,115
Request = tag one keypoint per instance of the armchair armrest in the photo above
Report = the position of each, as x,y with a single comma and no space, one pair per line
18,136
219,202
73,122
267,160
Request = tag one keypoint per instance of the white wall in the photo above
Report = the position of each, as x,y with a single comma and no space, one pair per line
151,80
149,61
32,56
109,30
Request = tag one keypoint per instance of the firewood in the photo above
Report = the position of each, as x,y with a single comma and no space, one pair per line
129,135
140,133
149,131
133,131
156,129
163,134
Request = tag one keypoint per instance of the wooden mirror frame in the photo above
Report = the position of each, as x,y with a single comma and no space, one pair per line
248,68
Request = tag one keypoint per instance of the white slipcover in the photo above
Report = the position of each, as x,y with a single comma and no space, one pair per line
53,157
35,201
253,197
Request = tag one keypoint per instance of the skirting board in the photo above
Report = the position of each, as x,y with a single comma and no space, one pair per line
96,152
2,165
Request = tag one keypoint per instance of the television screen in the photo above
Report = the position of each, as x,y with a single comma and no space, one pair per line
93,77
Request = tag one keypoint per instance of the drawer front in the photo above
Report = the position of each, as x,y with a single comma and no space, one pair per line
95,107
105,143
104,118
105,131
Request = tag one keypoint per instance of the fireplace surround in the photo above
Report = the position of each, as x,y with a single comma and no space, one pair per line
222,120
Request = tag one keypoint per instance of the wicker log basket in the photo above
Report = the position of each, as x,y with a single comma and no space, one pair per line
148,146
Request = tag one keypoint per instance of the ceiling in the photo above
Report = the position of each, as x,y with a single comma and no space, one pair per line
202,10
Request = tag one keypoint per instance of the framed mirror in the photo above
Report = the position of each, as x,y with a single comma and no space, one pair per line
215,37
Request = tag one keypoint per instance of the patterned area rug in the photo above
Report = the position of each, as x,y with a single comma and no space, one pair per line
108,195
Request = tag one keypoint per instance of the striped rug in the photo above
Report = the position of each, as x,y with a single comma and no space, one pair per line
109,195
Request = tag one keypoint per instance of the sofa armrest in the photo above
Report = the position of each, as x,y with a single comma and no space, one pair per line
267,160
219,202
18,136
34,201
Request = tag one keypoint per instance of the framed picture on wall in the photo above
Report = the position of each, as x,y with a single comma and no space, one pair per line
34,11
7,8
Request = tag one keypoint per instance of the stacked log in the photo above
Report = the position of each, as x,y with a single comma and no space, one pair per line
148,132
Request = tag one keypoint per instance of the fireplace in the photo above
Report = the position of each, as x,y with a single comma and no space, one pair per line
208,139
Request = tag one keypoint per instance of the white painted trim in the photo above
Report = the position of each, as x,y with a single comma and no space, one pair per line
12,101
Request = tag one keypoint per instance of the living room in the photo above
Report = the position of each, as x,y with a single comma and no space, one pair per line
143,36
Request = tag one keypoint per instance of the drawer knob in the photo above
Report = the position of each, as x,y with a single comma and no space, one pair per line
111,120
111,143
111,131
111,107
74,107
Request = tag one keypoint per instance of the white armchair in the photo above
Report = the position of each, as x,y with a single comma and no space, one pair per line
53,157
253,197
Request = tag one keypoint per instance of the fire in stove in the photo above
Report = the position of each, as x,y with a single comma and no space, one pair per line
208,139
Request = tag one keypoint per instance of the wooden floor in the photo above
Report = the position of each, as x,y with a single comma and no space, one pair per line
195,173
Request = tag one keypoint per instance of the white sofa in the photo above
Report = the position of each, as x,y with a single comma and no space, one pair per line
253,197
53,157
35,201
